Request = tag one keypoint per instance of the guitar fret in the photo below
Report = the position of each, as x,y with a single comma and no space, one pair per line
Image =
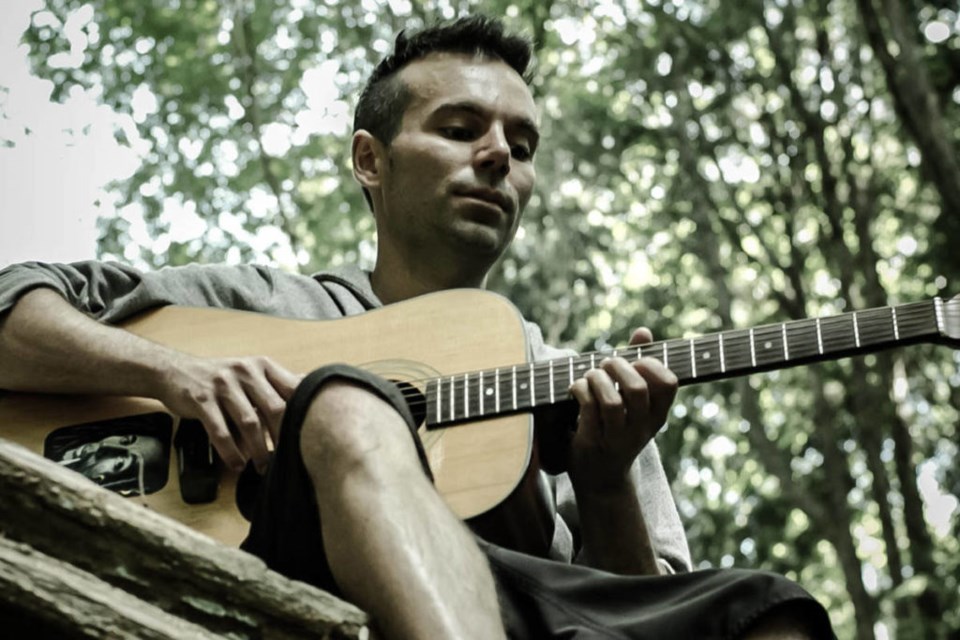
735,350
550,368
706,356
480,393
514,387
802,338
466,395
896,327
453,393
753,349
819,338
786,352
678,351
856,330
570,360
723,360
769,353
439,399
496,389
666,363
693,360
533,393
877,326
838,333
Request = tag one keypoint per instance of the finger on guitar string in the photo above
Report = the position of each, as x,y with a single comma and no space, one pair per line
630,384
218,391
610,431
662,382
251,429
258,404
641,335
662,385
215,424
266,387
622,395
618,390
602,404
283,383
589,417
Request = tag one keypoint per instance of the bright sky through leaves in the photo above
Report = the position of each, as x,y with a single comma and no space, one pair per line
54,159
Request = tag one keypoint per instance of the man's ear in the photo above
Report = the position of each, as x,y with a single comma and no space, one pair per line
368,157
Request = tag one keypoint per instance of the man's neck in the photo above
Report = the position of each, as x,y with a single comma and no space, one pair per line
395,283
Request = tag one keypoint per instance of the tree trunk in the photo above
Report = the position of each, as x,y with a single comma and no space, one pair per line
838,473
917,104
78,558
63,601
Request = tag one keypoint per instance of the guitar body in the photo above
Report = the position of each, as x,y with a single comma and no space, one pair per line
476,466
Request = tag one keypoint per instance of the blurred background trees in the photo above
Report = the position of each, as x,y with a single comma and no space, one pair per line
705,165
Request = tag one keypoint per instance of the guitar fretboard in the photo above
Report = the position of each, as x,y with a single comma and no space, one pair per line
504,390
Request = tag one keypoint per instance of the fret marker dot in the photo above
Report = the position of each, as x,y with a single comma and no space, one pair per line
523,385
768,345
706,355
489,392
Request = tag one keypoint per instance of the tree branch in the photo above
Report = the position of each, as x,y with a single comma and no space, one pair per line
244,39
164,564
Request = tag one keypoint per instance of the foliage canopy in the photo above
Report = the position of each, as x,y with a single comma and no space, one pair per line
705,165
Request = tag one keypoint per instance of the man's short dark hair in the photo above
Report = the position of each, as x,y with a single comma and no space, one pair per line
385,98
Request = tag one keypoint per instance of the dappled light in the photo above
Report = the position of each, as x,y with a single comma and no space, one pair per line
704,166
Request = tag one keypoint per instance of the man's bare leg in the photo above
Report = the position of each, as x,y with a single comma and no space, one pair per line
779,624
394,547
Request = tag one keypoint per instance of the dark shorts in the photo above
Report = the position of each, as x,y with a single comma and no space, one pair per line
539,598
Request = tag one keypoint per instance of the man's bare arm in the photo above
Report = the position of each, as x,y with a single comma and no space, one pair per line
48,346
622,406
614,531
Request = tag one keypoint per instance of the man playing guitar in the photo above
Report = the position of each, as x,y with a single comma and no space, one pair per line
445,136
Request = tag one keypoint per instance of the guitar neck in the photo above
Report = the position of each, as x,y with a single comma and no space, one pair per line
484,394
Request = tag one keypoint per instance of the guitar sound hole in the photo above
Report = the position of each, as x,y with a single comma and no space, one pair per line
416,401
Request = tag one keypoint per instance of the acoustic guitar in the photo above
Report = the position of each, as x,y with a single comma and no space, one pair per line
460,358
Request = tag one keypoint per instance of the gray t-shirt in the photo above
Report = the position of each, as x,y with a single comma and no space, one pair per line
112,292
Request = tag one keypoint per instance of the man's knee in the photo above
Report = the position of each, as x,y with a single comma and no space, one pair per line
348,429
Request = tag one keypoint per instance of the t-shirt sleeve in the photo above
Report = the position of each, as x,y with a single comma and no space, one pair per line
112,292
91,287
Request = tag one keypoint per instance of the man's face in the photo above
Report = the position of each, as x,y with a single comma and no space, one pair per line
460,171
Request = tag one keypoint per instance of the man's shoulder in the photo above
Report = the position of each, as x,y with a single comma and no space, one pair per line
539,349
349,281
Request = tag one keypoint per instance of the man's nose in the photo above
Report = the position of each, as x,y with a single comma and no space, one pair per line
493,152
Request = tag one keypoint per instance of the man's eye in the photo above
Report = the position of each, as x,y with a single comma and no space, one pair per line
457,133
521,152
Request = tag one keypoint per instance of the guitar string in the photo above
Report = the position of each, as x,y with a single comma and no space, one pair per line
680,348
833,329
906,321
